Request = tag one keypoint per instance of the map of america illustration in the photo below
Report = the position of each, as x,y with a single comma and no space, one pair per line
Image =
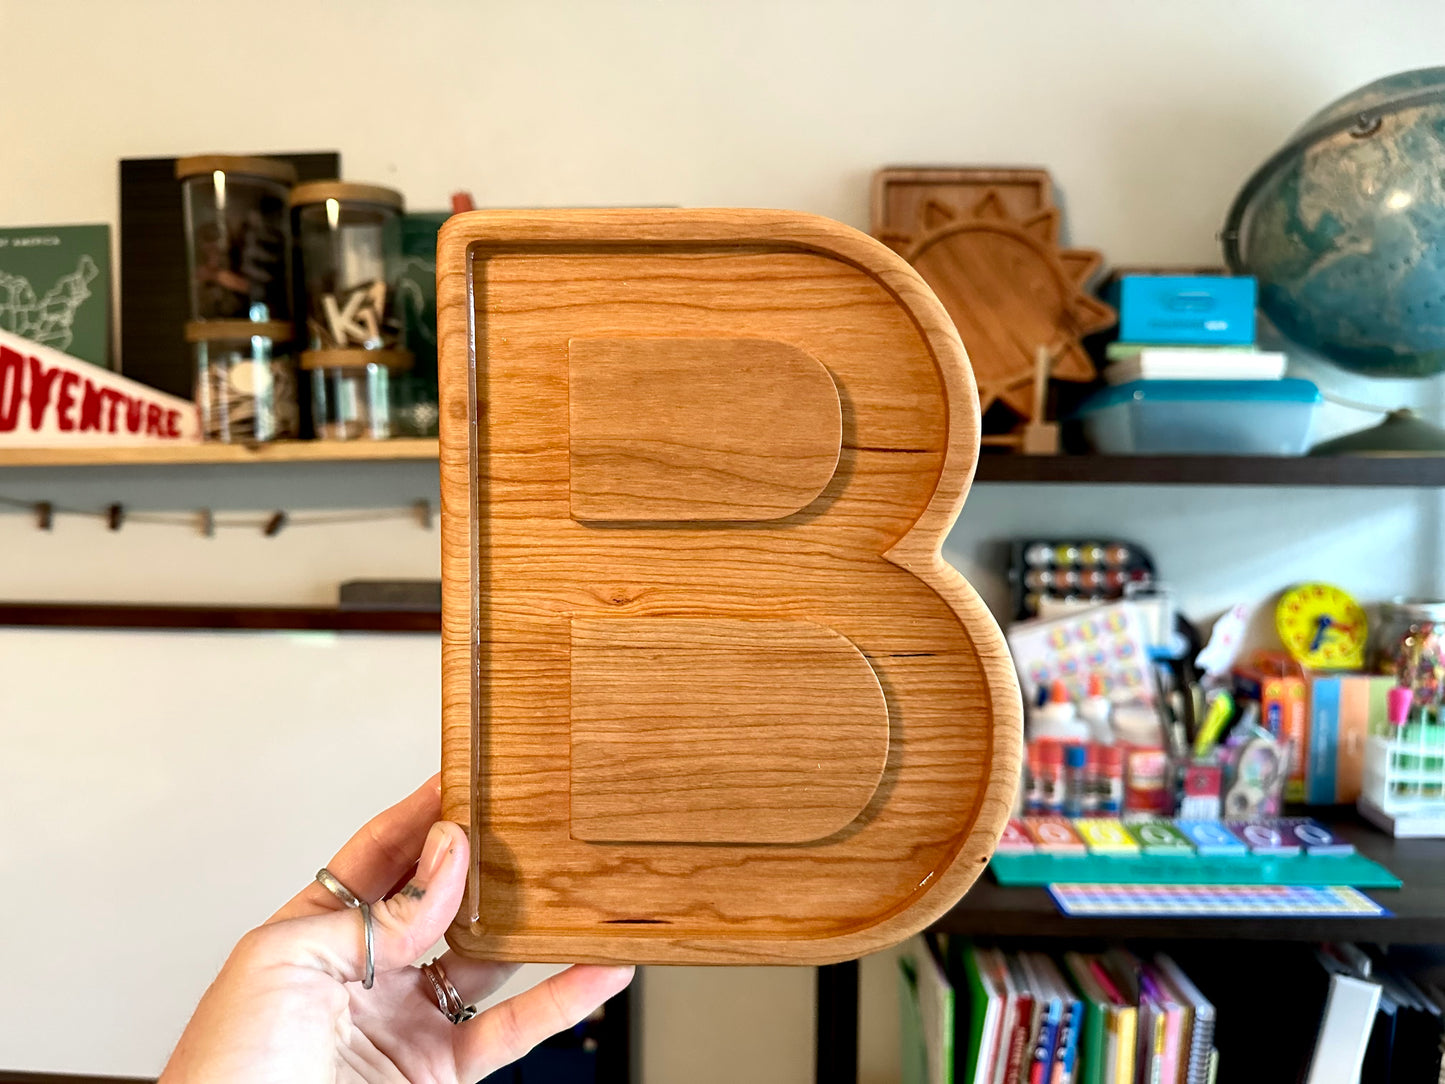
49,319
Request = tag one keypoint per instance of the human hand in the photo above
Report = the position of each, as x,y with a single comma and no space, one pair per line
288,1004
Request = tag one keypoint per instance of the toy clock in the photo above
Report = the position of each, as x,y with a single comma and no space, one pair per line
1322,627
710,692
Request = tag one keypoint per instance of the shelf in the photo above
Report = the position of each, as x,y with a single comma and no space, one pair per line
990,910
90,615
1204,470
1214,470
289,451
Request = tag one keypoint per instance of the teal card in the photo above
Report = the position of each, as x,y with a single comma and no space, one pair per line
55,288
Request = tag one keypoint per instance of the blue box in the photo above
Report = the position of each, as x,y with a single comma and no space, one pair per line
1185,310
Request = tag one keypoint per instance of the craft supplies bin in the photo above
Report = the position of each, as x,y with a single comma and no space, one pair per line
1201,417
1403,790
238,239
351,392
245,380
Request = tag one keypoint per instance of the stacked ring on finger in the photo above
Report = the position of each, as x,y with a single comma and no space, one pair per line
329,881
449,1001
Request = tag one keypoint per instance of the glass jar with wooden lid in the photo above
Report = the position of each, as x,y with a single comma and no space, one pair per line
238,236
245,380
349,239
351,391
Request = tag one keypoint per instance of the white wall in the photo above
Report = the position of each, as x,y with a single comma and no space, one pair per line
1149,114
162,793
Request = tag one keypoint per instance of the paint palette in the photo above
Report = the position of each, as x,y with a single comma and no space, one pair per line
1082,571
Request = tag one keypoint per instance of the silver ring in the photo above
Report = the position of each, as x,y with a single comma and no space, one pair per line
449,1001
328,881
370,976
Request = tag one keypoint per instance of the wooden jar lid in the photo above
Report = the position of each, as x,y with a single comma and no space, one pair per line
398,361
200,331
270,169
346,192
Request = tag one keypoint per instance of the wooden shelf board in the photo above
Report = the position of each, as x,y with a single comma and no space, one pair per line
1422,472
991,910
290,451
1217,470
92,615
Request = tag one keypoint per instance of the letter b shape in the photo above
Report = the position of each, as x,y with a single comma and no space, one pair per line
710,693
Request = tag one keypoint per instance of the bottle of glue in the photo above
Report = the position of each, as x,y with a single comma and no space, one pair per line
1057,720
1095,710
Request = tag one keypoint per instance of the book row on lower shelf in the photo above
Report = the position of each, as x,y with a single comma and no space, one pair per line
1330,1014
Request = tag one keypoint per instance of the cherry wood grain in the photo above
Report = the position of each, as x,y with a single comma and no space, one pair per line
901,192
861,559
719,731
698,429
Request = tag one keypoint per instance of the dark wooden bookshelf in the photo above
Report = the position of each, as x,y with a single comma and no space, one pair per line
991,910
993,467
93,615
1213,470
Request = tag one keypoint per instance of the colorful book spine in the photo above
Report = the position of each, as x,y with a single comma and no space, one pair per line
1020,1048
1072,1028
1095,1007
1040,1069
1169,1011
1121,1060
1342,707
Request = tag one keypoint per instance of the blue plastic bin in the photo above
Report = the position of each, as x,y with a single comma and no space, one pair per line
1202,417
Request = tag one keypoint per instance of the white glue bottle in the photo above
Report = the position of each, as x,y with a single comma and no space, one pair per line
1095,709
1057,720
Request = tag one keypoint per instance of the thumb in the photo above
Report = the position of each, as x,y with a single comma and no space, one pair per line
403,927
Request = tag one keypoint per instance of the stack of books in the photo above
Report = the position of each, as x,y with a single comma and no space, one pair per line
989,1016
1187,327
1333,1014
1129,362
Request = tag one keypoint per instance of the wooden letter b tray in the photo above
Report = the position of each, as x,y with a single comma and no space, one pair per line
710,693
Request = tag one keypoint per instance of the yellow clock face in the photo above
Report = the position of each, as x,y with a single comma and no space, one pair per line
1322,627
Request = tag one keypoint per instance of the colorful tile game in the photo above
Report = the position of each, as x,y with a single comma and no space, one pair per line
1106,835
1262,837
1277,837
1214,901
1160,837
1015,840
1044,850
1054,835
1313,836
1211,838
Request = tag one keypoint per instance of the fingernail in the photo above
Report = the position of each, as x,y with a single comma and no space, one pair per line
438,841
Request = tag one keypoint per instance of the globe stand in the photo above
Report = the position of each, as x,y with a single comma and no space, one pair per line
1401,433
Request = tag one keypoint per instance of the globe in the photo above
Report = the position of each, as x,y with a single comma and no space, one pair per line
1344,228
